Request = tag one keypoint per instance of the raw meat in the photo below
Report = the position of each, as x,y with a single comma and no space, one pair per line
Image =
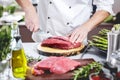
46,63
37,72
57,65
64,65
60,43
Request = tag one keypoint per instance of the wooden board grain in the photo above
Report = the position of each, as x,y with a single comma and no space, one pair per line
50,76
59,52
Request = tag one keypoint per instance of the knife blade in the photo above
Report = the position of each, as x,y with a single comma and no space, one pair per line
85,50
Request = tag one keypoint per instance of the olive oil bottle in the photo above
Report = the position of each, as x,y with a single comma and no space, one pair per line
19,61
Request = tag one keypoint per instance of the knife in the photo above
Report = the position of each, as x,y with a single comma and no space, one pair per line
85,50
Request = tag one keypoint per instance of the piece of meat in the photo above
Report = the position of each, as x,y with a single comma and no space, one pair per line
61,38
60,43
55,43
46,63
58,65
37,72
64,65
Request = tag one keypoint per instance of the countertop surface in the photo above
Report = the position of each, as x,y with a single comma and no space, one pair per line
31,50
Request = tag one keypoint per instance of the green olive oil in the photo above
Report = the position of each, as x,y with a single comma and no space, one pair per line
19,63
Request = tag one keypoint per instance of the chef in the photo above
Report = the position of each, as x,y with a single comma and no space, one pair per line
68,18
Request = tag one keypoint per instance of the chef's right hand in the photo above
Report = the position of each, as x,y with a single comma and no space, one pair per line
31,20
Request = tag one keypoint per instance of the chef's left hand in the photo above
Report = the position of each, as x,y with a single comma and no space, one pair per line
79,34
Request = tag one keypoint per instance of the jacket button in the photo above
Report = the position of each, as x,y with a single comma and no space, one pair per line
68,23
69,7
48,17
50,2
48,32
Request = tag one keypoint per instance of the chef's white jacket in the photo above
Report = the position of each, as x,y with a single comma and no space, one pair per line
60,17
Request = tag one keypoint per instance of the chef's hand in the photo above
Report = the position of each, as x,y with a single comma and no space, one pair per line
31,20
79,34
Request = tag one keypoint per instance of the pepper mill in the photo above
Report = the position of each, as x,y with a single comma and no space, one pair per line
113,43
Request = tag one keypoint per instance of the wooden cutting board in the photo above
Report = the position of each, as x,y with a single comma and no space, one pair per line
59,52
50,76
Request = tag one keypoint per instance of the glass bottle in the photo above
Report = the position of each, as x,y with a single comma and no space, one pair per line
19,61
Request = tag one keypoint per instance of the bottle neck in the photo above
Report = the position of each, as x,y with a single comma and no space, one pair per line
15,29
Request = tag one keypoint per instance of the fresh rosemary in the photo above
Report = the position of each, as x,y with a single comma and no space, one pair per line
84,71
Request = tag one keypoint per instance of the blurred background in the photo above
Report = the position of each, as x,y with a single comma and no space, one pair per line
11,11
116,7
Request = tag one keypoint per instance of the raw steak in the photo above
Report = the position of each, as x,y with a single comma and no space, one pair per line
57,65
46,63
60,43
64,65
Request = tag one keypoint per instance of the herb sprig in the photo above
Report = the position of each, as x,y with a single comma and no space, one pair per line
5,40
30,59
84,71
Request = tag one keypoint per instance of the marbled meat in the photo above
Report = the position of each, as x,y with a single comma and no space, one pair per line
60,43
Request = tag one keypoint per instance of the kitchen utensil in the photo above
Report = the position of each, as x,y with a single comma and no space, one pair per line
85,50
113,42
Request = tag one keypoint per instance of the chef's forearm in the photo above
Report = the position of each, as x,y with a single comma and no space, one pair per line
26,5
96,19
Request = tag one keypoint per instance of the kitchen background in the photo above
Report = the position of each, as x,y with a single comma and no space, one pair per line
18,14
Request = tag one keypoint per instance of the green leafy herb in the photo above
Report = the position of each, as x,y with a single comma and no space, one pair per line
84,71
5,40
30,59
11,9
1,10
